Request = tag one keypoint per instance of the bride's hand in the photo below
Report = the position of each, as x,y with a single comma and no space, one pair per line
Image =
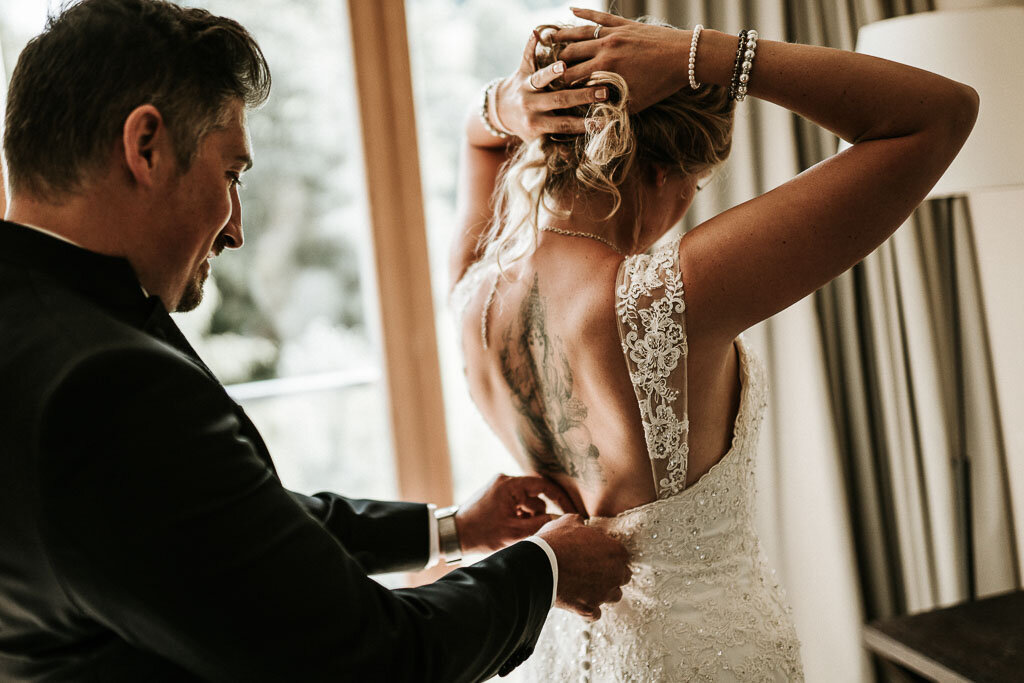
652,59
528,111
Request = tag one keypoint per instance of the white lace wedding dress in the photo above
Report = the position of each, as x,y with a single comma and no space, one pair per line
702,604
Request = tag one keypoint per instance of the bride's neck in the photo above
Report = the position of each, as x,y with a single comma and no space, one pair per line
589,213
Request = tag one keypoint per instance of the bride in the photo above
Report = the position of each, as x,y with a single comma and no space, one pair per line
612,362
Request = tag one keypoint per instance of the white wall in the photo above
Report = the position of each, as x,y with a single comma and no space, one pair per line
999,245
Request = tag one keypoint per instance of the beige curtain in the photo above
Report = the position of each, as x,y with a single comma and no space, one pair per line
856,489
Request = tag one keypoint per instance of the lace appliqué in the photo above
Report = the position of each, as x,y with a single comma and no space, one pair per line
649,307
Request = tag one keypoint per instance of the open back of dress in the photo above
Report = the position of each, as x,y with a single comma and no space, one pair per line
703,604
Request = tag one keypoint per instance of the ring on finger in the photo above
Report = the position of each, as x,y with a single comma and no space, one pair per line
597,31
529,81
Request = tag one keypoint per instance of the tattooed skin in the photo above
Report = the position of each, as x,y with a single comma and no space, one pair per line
551,426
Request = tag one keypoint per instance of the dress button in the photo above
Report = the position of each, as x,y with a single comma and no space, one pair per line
585,664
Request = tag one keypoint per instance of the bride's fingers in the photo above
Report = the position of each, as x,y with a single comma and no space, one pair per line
566,99
576,52
539,80
567,125
602,18
529,53
572,34
580,72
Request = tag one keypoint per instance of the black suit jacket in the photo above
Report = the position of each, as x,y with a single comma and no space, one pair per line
144,535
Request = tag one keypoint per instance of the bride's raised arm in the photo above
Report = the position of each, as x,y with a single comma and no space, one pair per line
525,113
744,265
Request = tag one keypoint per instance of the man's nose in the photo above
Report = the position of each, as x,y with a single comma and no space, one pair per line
232,233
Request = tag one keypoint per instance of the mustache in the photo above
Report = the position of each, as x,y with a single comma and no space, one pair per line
219,245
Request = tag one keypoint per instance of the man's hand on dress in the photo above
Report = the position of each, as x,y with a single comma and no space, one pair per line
507,510
592,566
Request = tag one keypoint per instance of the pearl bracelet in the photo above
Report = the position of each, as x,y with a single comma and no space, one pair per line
748,46
693,56
485,108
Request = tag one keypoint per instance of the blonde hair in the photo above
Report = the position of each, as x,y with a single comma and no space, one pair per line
689,131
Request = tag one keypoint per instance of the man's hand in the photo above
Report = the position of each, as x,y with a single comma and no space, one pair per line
592,566
507,510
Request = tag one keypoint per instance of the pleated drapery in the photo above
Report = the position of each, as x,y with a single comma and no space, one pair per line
857,504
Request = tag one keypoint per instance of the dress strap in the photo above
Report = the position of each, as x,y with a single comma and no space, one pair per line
649,307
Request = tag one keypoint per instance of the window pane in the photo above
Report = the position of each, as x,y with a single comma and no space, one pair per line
298,298
293,300
328,440
456,47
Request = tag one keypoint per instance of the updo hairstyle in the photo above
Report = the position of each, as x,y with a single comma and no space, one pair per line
689,131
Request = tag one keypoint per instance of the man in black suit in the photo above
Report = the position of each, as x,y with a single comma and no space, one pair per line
144,535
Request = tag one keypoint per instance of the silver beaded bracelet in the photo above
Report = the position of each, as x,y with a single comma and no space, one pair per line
485,107
693,56
747,65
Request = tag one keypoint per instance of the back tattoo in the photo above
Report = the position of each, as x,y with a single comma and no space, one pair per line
551,427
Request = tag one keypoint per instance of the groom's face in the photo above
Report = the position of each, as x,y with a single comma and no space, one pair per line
205,207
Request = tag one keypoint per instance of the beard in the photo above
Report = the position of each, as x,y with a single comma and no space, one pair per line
193,294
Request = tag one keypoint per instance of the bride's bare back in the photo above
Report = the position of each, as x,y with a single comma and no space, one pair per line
555,387
552,381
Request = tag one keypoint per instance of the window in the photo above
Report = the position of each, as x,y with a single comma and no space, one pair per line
456,46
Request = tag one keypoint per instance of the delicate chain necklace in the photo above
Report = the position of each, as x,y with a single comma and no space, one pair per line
572,233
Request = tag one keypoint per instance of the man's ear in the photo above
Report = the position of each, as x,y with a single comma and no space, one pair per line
145,139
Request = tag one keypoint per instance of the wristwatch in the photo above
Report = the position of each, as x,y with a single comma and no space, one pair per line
448,534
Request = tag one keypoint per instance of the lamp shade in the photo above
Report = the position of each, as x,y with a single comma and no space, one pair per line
977,47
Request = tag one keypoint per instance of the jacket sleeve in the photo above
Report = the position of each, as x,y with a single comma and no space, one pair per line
165,527
381,536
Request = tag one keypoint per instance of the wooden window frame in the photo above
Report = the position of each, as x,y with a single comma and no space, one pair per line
398,226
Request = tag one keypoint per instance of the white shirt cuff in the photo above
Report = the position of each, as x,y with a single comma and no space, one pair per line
435,538
554,564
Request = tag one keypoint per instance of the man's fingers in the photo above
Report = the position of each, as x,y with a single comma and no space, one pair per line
534,506
535,486
602,18
627,576
528,526
615,595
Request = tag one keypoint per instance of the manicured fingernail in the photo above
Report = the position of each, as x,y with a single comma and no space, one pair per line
601,93
559,67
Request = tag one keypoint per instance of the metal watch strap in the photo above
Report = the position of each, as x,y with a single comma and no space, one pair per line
448,534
